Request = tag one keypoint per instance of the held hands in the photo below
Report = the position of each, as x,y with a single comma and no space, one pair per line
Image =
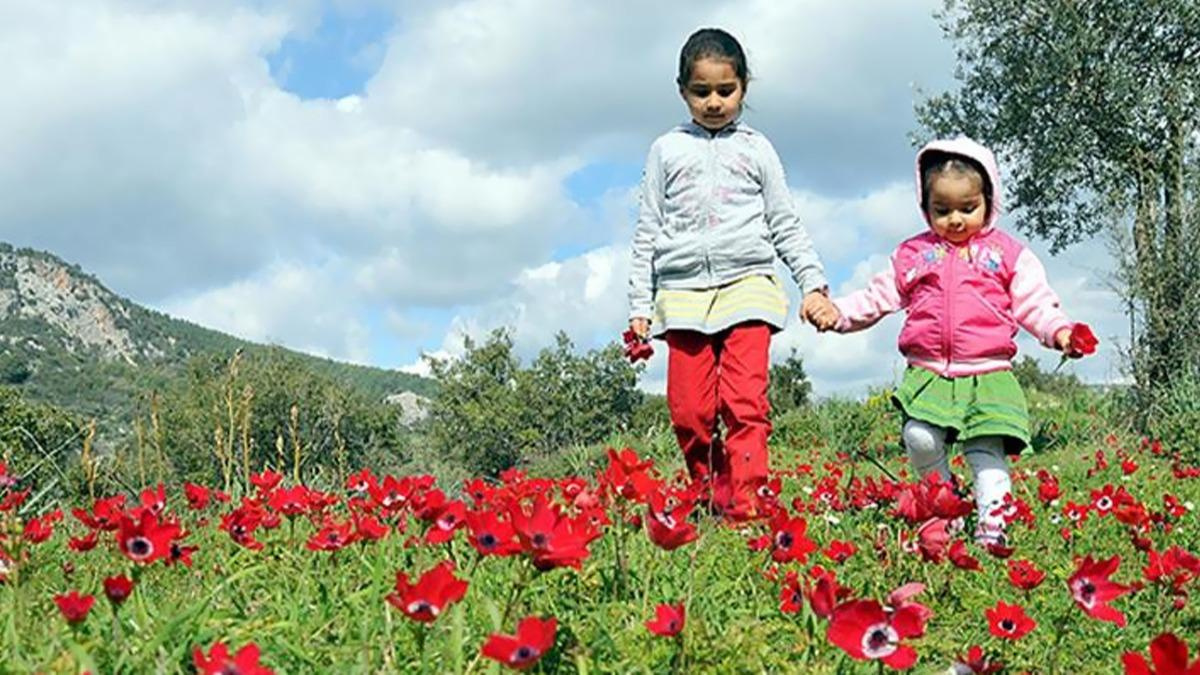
820,311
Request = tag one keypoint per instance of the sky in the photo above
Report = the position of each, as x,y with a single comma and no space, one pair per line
371,180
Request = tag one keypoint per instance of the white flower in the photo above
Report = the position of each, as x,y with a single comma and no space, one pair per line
832,519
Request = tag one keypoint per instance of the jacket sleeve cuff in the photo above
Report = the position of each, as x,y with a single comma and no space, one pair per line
812,282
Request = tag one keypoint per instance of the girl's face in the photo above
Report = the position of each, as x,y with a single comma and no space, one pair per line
713,94
957,206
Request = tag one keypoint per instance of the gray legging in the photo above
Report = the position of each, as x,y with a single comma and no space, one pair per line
926,446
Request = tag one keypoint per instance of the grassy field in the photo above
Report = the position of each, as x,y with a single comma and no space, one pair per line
597,540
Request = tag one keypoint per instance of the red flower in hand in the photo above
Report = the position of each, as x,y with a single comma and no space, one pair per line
1083,341
1009,621
74,607
636,348
668,620
219,661
534,638
1170,657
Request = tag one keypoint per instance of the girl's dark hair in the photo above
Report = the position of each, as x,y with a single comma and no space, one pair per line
935,163
712,43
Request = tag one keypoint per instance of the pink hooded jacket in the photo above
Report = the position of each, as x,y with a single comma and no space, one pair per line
963,301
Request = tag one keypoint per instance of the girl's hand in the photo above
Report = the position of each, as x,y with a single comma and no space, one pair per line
820,311
640,327
1063,340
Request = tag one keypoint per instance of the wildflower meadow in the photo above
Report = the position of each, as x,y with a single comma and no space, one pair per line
606,560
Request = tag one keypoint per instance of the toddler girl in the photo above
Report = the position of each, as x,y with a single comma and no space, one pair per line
965,286
715,211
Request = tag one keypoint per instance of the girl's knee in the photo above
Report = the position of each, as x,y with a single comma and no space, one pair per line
923,439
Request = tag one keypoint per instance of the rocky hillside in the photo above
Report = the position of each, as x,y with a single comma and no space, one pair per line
68,340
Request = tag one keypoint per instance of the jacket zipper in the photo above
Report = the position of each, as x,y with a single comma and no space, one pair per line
708,212
947,297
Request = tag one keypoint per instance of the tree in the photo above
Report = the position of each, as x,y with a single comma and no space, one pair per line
789,388
1092,109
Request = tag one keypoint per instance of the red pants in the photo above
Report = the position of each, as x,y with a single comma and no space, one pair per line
722,375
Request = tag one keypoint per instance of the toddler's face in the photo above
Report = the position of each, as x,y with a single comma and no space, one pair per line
957,206
713,94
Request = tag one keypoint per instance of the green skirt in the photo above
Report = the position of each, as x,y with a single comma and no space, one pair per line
977,405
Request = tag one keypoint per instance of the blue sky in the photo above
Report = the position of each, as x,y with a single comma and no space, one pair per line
370,180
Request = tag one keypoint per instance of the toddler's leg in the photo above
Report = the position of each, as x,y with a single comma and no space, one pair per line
992,482
926,447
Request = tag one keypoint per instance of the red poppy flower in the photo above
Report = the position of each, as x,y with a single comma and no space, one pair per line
448,518
961,559
219,662
368,528
241,524
143,539
1025,575
1169,655
636,348
1083,341
864,631
74,607
788,540
118,589
13,499
1009,621
1092,589
534,637
361,482
425,600
668,620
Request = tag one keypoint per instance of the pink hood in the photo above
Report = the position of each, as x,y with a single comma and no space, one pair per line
970,149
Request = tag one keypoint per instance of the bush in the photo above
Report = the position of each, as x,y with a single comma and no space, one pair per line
1175,417
492,413
789,386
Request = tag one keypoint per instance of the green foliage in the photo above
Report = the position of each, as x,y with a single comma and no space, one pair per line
266,408
1176,417
1030,376
1092,107
40,440
789,386
492,413
13,369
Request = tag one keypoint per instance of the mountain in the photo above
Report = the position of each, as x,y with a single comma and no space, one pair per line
67,340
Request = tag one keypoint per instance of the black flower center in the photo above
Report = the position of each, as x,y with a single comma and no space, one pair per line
140,547
1008,625
783,540
878,639
487,540
524,653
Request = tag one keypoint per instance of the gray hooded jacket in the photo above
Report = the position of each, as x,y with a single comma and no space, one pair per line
715,207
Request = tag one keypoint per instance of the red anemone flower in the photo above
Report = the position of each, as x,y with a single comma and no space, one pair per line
840,551
1092,589
791,595
118,588
534,637
266,481
425,600
85,543
198,496
788,539
668,620
219,662
332,537
1083,341
864,631
976,662
490,534
1169,655
668,529
143,539
1025,575
1009,621
961,559
74,607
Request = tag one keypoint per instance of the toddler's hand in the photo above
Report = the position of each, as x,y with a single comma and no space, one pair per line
820,311
640,327
1076,341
